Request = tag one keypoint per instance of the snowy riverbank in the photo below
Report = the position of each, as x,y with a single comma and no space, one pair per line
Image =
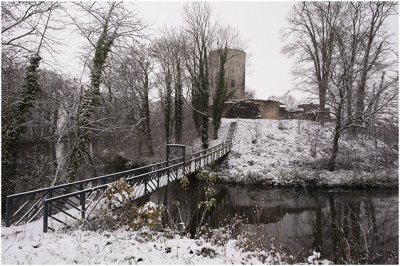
295,152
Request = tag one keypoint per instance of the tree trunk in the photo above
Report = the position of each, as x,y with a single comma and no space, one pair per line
373,28
322,97
146,113
178,104
167,107
197,106
338,130
220,95
204,100
335,149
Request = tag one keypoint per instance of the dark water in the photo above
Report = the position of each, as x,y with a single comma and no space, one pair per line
345,226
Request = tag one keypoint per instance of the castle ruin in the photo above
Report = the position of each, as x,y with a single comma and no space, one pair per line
241,107
235,72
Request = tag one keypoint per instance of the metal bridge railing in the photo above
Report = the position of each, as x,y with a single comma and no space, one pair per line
77,200
143,184
27,206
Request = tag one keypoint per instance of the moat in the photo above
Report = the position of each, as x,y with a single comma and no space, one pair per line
346,227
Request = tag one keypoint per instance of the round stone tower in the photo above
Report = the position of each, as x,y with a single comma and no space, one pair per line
235,72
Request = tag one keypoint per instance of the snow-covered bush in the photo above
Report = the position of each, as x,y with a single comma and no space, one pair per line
148,215
118,210
315,259
119,193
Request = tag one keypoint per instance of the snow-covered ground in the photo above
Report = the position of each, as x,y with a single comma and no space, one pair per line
27,244
293,152
30,246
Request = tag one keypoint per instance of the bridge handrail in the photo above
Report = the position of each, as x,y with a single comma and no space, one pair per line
47,192
84,181
135,177
206,154
127,172
106,185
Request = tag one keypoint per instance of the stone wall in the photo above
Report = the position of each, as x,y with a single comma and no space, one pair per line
267,109
252,109
241,109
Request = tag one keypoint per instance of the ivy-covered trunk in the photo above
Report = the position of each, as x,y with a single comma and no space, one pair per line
196,104
89,101
14,125
178,104
220,94
203,69
167,107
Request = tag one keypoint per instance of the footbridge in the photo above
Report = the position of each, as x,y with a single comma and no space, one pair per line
61,204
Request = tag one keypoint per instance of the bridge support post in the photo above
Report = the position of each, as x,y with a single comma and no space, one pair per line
178,151
82,201
45,215
49,206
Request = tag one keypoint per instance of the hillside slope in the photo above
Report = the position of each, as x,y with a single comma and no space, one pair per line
296,152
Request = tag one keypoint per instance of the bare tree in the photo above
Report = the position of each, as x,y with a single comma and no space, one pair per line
374,43
29,26
168,52
164,51
109,23
348,71
344,50
310,39
200,33
131,70
144,60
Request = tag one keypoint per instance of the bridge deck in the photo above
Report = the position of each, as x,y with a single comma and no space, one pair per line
231,132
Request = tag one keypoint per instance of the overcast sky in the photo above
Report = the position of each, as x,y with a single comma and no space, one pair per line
260,23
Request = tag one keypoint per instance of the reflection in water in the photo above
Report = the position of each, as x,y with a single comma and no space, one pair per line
346,227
